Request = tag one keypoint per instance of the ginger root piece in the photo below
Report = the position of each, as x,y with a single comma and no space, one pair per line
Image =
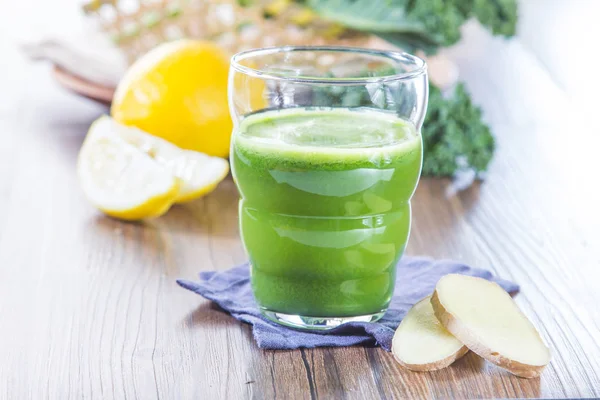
421,343
486,319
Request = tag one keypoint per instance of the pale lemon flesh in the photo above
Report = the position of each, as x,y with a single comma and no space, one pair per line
199,173
120,180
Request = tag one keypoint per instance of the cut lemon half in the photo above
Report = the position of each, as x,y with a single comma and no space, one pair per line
199,173
119,179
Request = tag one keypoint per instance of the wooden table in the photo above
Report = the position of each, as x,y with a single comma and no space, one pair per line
89,307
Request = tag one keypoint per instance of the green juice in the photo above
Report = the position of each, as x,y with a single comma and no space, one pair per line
325,206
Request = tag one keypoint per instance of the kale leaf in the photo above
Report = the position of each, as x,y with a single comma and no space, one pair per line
454,135
418,24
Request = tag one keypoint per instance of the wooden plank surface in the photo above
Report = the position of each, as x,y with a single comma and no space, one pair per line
89,305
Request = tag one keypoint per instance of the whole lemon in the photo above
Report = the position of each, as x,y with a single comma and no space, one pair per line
178,91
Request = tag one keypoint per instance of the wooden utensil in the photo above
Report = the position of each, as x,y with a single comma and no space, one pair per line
82,87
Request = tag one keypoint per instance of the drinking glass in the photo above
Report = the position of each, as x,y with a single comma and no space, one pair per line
326,153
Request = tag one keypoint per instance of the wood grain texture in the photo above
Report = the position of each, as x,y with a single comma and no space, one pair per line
89,305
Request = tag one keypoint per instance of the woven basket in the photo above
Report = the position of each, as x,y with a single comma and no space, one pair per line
136,26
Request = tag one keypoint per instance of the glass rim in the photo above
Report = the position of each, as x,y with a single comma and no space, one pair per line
398,56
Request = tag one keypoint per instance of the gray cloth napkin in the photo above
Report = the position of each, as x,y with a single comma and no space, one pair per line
416,279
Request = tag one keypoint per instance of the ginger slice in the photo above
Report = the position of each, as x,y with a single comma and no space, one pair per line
421,343
487,320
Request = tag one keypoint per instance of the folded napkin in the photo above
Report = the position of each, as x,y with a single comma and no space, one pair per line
416,278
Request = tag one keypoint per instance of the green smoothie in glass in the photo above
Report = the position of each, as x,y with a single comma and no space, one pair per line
324,209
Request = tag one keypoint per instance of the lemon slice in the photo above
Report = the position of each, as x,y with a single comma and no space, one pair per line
121,180
199,173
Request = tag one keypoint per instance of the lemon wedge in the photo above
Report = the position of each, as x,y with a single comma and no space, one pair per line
199,173
119,179
130,174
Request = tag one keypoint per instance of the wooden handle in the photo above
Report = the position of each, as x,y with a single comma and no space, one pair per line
76,84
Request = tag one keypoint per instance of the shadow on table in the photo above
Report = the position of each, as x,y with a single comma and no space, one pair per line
196,218
213,215
128,231
181,218
469,364
439,191
147,244
209,313
472,373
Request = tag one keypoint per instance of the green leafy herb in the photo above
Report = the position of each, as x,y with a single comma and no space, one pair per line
418,24
500,16
454,135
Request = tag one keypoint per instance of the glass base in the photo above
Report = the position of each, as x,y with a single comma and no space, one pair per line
317,323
